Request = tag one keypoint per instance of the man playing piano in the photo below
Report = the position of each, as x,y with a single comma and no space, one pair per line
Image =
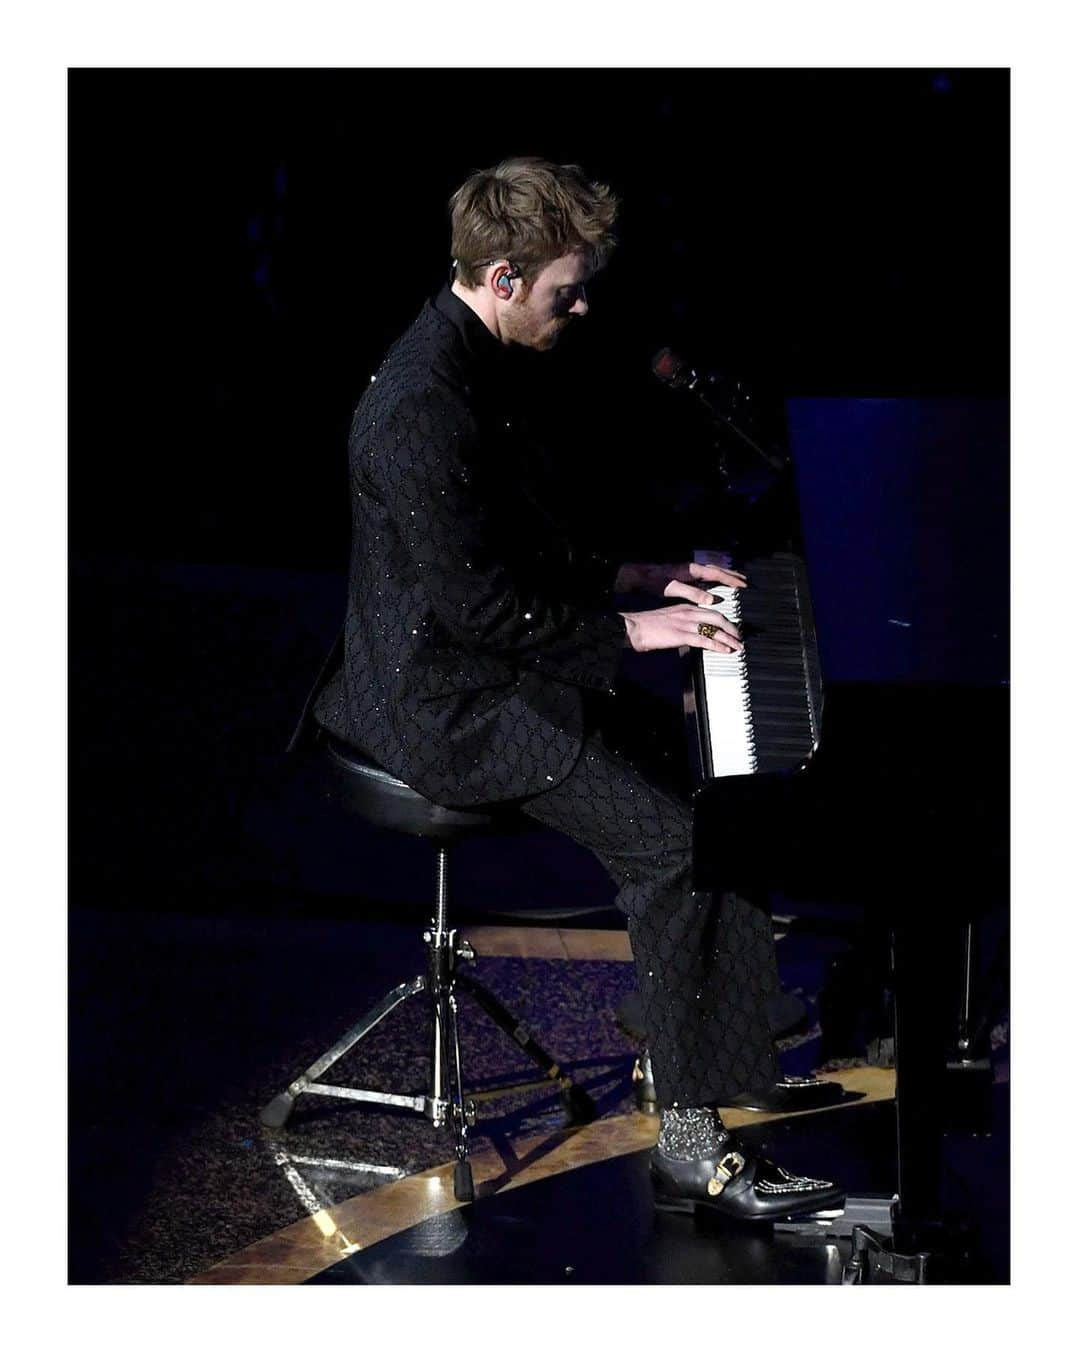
480,656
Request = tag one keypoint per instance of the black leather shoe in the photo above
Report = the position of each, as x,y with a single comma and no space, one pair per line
740,1185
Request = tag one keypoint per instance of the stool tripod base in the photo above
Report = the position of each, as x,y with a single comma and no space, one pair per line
446,1103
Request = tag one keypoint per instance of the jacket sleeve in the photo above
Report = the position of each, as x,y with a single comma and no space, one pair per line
597,571
424,459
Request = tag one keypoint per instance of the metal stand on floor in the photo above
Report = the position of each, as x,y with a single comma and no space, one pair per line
445,1103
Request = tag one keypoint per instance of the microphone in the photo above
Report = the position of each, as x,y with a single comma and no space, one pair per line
671,368
723,398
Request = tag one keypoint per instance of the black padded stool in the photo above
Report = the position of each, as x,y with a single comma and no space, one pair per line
364,789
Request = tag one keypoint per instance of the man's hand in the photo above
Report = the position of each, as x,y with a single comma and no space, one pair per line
675,579
657,630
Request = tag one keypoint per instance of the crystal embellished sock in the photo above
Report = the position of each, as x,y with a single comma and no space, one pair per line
688,1133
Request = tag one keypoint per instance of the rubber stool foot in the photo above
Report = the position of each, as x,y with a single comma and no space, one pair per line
463,1181
275,1116
578,1106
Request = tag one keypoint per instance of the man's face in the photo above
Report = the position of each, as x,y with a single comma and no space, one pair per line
542,310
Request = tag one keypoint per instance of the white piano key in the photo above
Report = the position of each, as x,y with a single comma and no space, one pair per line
757,703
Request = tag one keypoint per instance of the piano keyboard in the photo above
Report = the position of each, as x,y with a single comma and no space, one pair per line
759,710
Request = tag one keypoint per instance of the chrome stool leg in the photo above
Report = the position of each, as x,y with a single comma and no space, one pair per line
277,1112
464,1115
578,1107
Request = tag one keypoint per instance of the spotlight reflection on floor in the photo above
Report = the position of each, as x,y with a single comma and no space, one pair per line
310,1201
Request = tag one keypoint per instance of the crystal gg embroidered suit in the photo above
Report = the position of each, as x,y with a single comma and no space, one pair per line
469,634
476,663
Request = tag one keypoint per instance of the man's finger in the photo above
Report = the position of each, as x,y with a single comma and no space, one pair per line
690,616
689,592
722,640
724,575
727,645
718,622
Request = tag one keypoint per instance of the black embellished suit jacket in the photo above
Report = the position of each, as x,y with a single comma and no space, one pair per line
473,629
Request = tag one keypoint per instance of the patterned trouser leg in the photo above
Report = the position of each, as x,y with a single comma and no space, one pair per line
706,963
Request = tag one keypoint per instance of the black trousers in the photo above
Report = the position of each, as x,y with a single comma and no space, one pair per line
705,962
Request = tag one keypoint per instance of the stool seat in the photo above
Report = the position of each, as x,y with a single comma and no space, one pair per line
356,782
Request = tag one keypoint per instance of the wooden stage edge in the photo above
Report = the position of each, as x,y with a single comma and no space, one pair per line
551,944
557,944
316,1242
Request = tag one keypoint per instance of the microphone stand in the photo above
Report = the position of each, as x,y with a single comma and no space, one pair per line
759,516
774,461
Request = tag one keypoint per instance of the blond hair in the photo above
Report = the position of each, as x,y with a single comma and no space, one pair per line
530,212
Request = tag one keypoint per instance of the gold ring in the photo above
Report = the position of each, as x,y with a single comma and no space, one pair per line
708,630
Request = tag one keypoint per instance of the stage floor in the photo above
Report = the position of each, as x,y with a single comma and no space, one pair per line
174,1180
576,1206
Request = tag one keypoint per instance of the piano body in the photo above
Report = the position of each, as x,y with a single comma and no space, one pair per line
892,795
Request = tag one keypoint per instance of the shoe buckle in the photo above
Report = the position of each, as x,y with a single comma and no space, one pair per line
727,1169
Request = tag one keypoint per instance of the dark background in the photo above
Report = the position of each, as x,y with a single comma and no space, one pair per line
246,243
